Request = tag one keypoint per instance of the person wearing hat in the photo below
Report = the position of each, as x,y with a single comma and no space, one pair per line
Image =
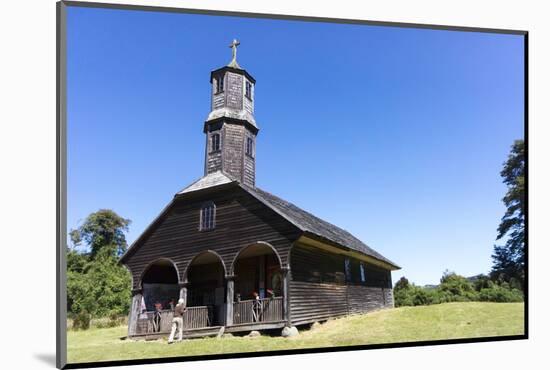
177,321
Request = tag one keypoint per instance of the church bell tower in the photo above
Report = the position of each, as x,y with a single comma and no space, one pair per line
230,127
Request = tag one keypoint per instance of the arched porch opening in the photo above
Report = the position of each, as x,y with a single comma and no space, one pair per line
205,277
258,285
159,285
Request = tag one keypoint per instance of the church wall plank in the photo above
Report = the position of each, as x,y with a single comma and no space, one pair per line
320,290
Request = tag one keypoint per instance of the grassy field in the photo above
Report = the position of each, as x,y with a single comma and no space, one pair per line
405,324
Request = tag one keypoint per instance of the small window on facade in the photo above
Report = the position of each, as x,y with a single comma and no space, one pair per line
215,142
347,269
249,146
362,272
248,90
208,216
219,84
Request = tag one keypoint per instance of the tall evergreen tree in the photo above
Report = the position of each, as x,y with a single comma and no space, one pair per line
509,259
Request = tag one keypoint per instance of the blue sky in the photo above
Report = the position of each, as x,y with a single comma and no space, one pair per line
397,135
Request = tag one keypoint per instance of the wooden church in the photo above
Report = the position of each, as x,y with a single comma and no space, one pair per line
242,258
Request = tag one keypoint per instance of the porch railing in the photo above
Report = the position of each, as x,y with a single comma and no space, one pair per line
198,317
258,310
151,322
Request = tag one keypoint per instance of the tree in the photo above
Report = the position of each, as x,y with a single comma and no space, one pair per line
455,285
102,229
509,259
401,284
97,285
103,289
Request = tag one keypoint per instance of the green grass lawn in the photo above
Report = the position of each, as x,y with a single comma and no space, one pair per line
443,321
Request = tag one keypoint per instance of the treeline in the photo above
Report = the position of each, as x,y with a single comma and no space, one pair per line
457,288
97,285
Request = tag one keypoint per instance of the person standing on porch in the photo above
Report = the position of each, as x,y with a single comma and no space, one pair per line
177,321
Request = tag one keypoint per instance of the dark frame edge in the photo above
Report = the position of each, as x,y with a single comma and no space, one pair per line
61,184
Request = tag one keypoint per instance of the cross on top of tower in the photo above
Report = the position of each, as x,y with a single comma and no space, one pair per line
233,46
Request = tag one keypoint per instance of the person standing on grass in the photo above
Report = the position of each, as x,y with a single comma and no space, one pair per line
177,321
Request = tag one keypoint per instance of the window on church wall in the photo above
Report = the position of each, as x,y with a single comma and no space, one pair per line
215,142
362,272
248,90
347,269
249,147
219,84
207,216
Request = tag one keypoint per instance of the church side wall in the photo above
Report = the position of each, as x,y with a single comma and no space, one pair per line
319,288
240,221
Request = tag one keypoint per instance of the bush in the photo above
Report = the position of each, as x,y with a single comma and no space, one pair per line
103,288
82,320
113,320
455,288
500,294
455,284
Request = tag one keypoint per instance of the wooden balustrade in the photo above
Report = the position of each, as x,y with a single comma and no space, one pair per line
244,312
195,317
258,310
198,317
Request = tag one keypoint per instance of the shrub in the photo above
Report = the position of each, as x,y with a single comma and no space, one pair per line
402,283
500,294
455,288
81,320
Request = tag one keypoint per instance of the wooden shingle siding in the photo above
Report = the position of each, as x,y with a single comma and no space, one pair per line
233,150
234,91
218,101
316,301
249,175
364,299
241,221
318,289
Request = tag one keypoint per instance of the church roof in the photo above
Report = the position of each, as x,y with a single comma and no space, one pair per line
210,180
308,222
303,220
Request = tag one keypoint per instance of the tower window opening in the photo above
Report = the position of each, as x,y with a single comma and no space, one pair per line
248,90
219,84
215,142
249,150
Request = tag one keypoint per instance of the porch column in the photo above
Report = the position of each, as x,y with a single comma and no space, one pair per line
135,310
229,299
285,270
183,291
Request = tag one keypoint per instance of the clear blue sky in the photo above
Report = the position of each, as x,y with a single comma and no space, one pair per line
396,135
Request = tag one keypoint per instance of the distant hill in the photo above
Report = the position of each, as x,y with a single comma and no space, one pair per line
430,286
472,279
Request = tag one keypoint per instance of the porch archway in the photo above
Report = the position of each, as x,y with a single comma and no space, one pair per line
205,285
257,269
159,284
258,285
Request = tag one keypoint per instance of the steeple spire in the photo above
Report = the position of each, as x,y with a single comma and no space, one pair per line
233,46
230,127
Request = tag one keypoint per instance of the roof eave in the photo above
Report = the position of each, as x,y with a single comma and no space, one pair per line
350,251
